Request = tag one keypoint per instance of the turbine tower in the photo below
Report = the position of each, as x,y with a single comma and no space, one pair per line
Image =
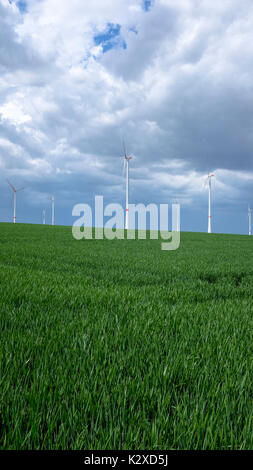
52,199
44,216
15,199
126,164
209,179
250,220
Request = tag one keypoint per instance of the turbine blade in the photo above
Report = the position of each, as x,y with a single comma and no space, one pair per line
124,147
12,187
123,166
205,182
19,189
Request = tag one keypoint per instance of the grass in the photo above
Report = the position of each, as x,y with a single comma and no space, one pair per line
120,345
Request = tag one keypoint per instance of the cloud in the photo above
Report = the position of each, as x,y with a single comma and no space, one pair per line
173,77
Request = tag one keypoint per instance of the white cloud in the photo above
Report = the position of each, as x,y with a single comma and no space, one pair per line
13,110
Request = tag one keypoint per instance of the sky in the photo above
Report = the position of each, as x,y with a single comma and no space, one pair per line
173,78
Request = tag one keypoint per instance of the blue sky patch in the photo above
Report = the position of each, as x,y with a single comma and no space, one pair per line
21,4
147,4
110,38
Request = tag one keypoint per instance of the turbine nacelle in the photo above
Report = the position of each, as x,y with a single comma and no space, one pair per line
210,176
14,189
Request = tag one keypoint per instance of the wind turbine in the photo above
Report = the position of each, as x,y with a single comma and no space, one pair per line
44,216
15,199
209,180
126,165
250,219
52,199
176,203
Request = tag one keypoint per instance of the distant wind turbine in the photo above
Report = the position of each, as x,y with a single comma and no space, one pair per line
126,165
52,199
250,219
44,216
209,181
176,203
15,199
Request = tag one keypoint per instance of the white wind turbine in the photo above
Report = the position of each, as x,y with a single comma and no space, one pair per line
126,165
209,182
177,211
52,199
250,219
44,216
15,199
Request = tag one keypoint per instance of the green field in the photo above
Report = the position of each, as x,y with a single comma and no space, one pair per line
120,345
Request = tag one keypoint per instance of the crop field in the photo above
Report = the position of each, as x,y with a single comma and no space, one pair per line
120,345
